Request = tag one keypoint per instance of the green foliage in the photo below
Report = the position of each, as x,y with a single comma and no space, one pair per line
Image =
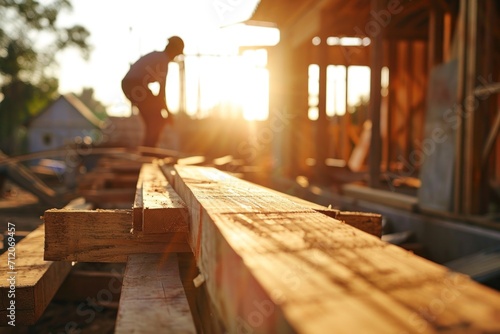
29,40
87,97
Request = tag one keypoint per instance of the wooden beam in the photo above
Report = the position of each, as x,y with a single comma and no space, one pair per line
157,207
475,186
321,124
367,222
458,170
102,236
305,272
436,35
153,298
26,179
35,280
376,54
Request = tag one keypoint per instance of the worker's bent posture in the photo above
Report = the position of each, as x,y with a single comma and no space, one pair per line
150,68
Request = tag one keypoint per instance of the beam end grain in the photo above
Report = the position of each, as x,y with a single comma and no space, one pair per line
157,207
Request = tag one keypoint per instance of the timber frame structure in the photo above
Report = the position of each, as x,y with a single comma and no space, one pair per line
426,46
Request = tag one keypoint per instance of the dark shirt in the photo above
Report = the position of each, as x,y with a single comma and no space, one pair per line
152,67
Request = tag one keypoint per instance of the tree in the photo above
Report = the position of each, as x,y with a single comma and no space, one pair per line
87,97
29,40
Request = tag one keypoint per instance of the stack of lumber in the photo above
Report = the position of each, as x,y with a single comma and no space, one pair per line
112,182
271,265
266,262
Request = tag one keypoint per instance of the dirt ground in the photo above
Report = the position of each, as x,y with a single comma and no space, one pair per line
61,316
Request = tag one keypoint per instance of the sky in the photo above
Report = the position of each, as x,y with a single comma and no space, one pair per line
123,30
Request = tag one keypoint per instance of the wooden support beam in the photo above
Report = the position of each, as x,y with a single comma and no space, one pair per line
367,222
376,54
153,298
436,35
157,207
308,273
25,178
321,124
34,280
102,236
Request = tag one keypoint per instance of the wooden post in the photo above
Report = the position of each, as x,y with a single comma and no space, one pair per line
475,187
391,106
345,120
322,122
409,102
436,35
375,100
279,104
462,45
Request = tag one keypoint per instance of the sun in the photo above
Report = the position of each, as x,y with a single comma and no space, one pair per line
226,82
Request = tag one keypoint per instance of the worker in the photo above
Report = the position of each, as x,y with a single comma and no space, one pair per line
151,68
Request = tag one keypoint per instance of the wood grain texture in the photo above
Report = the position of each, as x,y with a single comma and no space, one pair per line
367,222
36,280
102,236
153,298
273,266
157,207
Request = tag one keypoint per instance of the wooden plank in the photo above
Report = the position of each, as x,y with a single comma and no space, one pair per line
367,222
36,281
25,178
376,55
102,236
153,298
157,207
305,272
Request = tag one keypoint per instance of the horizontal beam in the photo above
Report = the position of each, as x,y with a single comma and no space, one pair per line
34,281
305,272
153,298
157,207
367,222
102,236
